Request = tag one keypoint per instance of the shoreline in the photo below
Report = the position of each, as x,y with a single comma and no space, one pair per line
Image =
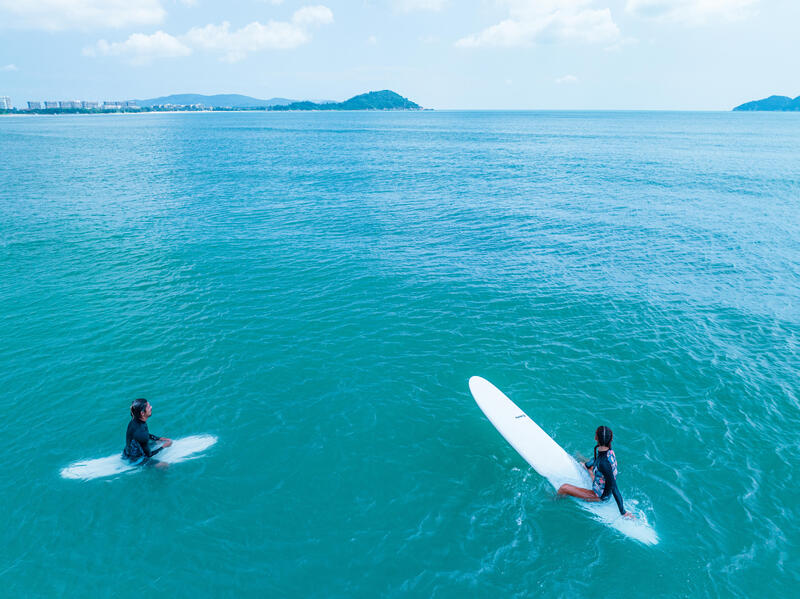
440,110
140,112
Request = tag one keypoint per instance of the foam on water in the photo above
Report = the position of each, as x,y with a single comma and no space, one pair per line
608,513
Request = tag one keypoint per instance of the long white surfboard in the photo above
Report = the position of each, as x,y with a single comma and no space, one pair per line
187,448
550,460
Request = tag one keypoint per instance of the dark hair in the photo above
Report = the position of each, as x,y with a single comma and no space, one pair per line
137,407
603,436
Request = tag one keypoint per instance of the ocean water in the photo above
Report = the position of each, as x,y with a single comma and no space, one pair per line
316,289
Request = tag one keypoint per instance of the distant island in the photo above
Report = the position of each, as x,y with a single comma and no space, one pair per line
773,103
380,100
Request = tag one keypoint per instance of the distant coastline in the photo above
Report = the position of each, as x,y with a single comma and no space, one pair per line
771,104
377,100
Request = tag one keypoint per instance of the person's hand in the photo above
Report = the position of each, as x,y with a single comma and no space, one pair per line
629,516
167,442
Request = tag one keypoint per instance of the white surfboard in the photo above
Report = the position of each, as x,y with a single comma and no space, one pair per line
550,460
187,448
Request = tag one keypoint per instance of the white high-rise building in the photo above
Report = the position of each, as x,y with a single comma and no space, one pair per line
34,105
5,103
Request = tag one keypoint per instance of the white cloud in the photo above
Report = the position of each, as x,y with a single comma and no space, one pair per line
81,14
567,79
274,35
418,5
231,44
547,21
235,45
141,49
310,16
692,12
8,68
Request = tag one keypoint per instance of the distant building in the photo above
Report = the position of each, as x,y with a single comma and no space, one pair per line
50,104
69,104
130,104
85,104
110,105
34,105
5,103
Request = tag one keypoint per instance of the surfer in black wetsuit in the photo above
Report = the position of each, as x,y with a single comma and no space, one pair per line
603,470
138,437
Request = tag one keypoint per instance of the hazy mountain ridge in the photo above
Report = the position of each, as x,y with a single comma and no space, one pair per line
215,101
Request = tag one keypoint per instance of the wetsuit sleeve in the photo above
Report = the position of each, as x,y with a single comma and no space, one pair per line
611,484
154,438
144,440
590,463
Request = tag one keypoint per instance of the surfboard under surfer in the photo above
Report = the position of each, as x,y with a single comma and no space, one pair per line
603,470
138,437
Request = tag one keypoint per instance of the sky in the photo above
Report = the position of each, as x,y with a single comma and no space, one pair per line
443,54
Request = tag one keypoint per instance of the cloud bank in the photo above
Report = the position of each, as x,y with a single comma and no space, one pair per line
141,49
55,15
531,21
230,44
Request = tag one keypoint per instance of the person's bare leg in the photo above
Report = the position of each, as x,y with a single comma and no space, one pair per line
572,490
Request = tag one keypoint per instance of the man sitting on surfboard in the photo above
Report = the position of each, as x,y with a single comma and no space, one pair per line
603,469
138,437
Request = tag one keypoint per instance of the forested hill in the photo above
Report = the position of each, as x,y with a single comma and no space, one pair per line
382,100
779,103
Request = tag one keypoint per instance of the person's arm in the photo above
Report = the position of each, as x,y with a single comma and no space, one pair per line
611,484
144,440
166,442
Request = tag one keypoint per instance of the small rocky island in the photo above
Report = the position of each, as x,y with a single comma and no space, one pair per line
773,103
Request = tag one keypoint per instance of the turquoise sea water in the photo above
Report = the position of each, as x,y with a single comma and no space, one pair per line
316,289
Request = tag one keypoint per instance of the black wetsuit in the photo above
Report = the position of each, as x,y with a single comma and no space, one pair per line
137,441
603,466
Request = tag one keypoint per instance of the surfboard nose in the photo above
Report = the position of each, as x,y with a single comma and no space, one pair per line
476,381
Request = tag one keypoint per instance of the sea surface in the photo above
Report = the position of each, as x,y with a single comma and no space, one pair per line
316,289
